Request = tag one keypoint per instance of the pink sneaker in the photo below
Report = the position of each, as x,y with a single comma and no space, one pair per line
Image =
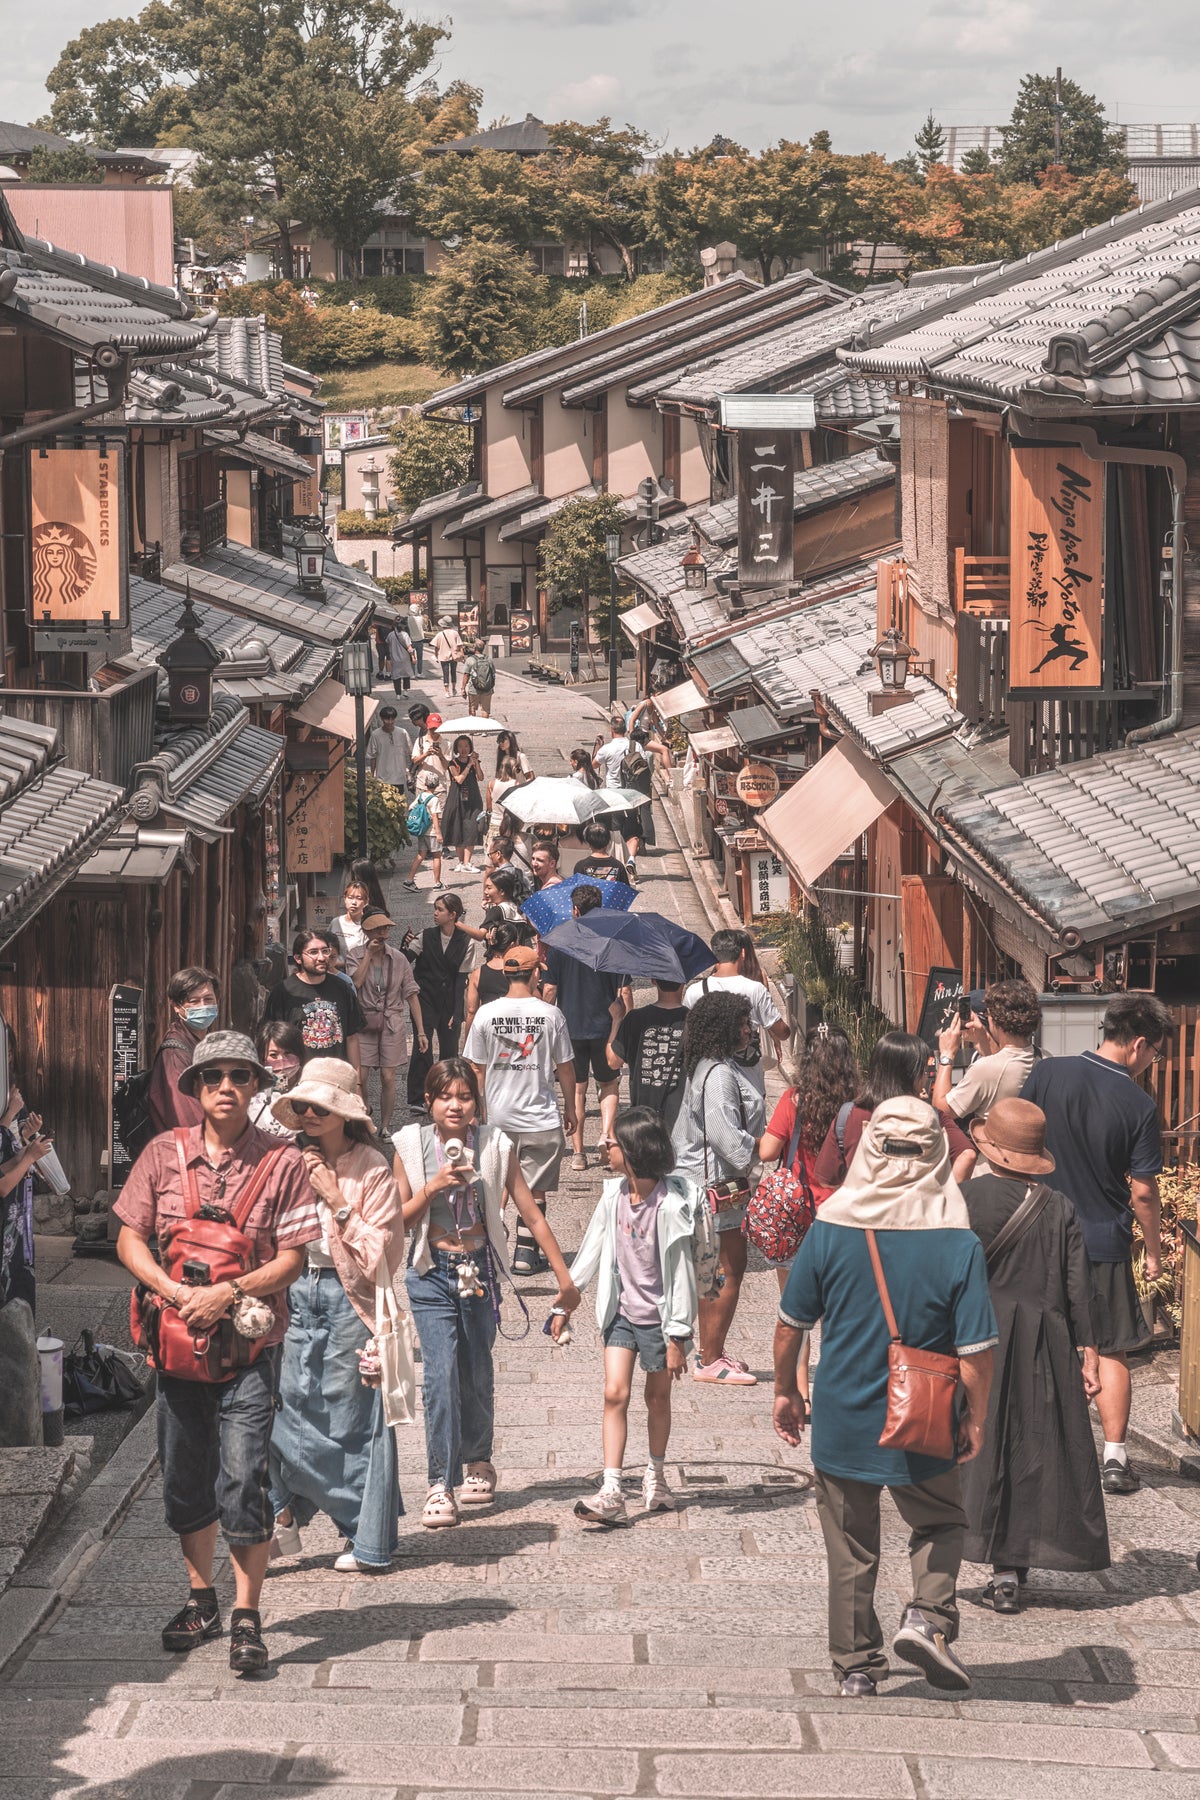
726,1369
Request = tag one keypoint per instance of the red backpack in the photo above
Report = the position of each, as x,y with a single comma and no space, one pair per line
207,1235
782,1206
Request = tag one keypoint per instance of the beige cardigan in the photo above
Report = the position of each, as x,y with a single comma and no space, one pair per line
374,1229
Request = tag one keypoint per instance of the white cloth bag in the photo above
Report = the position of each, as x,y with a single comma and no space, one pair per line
394,1347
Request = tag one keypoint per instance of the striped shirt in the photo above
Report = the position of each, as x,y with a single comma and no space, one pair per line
284,1217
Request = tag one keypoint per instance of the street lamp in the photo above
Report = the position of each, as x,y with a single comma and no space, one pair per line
891,657
695,570
358,679
311,547
612,549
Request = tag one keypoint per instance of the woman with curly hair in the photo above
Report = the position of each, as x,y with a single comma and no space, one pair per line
721,1118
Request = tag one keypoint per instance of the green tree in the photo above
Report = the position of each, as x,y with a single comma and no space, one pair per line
572,561
931,143
1089,143
597,186
61,167
428,458
975,161
487,194
195,218
109,85
481,308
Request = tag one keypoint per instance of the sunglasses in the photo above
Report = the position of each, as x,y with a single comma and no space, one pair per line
212,1078
307,1106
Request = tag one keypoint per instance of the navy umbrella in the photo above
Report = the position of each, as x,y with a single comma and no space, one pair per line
551,906
633,943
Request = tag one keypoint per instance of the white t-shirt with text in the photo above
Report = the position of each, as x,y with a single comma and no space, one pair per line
518,1043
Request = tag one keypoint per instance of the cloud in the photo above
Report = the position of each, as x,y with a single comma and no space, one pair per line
594,94
573,12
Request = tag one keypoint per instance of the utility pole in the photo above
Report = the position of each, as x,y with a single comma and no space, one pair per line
1058,113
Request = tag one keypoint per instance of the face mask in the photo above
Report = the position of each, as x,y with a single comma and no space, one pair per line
200,1017
285,1071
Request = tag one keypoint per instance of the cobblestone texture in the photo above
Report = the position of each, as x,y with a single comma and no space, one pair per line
523,1655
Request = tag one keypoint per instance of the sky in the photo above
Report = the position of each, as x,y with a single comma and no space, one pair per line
755,70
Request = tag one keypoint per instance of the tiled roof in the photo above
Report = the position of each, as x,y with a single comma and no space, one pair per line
842,397
245,352
1108,318
523,137
696,305
439,506
262,452
926,715
297,666
97,310
537,517
202,775
172,393
937,775
778,359
20,141
489,511
659,354
51,819
754,725
263,589
1100,846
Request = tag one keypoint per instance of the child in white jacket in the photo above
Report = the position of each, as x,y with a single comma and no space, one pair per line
639,1247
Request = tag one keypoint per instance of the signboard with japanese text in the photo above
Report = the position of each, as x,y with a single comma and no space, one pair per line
1056,540
75,539
770,885
766,505
314,812
757,784
126,1057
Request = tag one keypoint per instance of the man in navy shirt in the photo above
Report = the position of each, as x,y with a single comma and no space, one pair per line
1103,1132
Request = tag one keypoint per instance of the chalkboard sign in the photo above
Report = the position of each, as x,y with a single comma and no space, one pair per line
126,1057
520,631
941,991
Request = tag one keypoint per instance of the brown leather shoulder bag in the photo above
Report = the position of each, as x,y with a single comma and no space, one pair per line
921,1387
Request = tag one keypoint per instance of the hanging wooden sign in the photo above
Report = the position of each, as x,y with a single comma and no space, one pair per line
757,784
75,519
766,508
1056,540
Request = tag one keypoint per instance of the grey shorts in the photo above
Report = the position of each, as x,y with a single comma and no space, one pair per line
1116,1312
540,1155
647,1340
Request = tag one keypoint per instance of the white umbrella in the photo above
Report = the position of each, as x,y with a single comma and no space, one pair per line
470,727
553,800
619,800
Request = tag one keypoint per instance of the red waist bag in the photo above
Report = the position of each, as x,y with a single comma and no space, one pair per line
218,1239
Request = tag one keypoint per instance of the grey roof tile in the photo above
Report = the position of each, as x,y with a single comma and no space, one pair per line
51,819
264,589
93,308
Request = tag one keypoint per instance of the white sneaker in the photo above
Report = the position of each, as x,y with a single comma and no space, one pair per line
656,1495
605,1508
347,1563
288,1538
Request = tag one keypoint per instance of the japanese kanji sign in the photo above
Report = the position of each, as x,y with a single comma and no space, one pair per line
1056,544
766,462
75,559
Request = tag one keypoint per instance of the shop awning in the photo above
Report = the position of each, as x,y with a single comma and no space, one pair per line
721,737
816,821
685,698
330,708
638,620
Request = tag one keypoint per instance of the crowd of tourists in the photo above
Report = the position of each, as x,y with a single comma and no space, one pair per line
956,1223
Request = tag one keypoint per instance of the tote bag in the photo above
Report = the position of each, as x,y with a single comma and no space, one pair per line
394,1347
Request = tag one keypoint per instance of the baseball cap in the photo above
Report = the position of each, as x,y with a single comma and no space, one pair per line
519,960
433,721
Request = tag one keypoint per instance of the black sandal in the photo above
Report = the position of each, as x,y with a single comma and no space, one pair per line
193,1624
1004,1595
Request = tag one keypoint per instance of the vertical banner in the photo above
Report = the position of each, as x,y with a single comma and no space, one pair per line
76,538
766,507
1056,540
126,1058
520,631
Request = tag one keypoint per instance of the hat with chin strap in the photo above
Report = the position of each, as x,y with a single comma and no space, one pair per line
222,1047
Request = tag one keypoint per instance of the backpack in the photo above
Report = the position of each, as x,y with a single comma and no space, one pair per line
782,1206
482,674
131,1104
419,818
634,767
210,1235
706,1248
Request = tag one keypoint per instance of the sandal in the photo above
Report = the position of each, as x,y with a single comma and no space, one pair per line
479,1485
440,1509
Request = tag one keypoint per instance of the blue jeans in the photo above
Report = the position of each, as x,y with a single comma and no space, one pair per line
212,1445
331,1450
419,653
458,1388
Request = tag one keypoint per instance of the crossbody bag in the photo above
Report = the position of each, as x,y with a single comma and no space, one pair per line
921,1387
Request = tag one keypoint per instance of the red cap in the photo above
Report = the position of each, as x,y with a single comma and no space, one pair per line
433,721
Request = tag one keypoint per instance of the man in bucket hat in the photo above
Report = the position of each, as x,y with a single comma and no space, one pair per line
213,1435
901,1188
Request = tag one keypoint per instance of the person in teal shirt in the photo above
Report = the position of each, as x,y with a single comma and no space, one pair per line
900,1186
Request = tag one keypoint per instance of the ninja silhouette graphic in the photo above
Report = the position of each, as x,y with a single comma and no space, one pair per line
1063,644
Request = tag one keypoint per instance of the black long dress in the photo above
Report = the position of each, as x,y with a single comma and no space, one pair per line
461,808
1032,1496
438,967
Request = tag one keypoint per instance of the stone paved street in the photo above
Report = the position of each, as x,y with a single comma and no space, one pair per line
522,1654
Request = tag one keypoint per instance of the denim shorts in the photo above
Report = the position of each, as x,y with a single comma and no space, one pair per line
647,1340
213,1439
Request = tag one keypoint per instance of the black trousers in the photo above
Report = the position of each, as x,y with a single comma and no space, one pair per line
437,1024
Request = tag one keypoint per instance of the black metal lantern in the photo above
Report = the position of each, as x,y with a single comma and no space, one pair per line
892,656
311,549
695,570
189,661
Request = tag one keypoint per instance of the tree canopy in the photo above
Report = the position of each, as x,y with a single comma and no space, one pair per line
931,143
1088,143
480,308
572,560
428,459
72,164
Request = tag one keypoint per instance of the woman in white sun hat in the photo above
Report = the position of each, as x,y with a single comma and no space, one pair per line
331,1450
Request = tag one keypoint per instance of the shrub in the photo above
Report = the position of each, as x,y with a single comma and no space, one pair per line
396,587
396,295
345,339
355,524
428,459
387,813
833,993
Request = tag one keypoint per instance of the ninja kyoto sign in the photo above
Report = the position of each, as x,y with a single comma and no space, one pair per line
766,463
1056,541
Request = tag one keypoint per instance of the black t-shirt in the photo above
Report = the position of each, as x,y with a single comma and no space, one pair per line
607,868
327,1013
1101,1128
650,1040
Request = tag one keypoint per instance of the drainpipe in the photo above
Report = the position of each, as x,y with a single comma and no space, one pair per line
117,379
1176,467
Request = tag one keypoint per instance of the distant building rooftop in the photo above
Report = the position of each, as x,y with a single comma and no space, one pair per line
527,137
